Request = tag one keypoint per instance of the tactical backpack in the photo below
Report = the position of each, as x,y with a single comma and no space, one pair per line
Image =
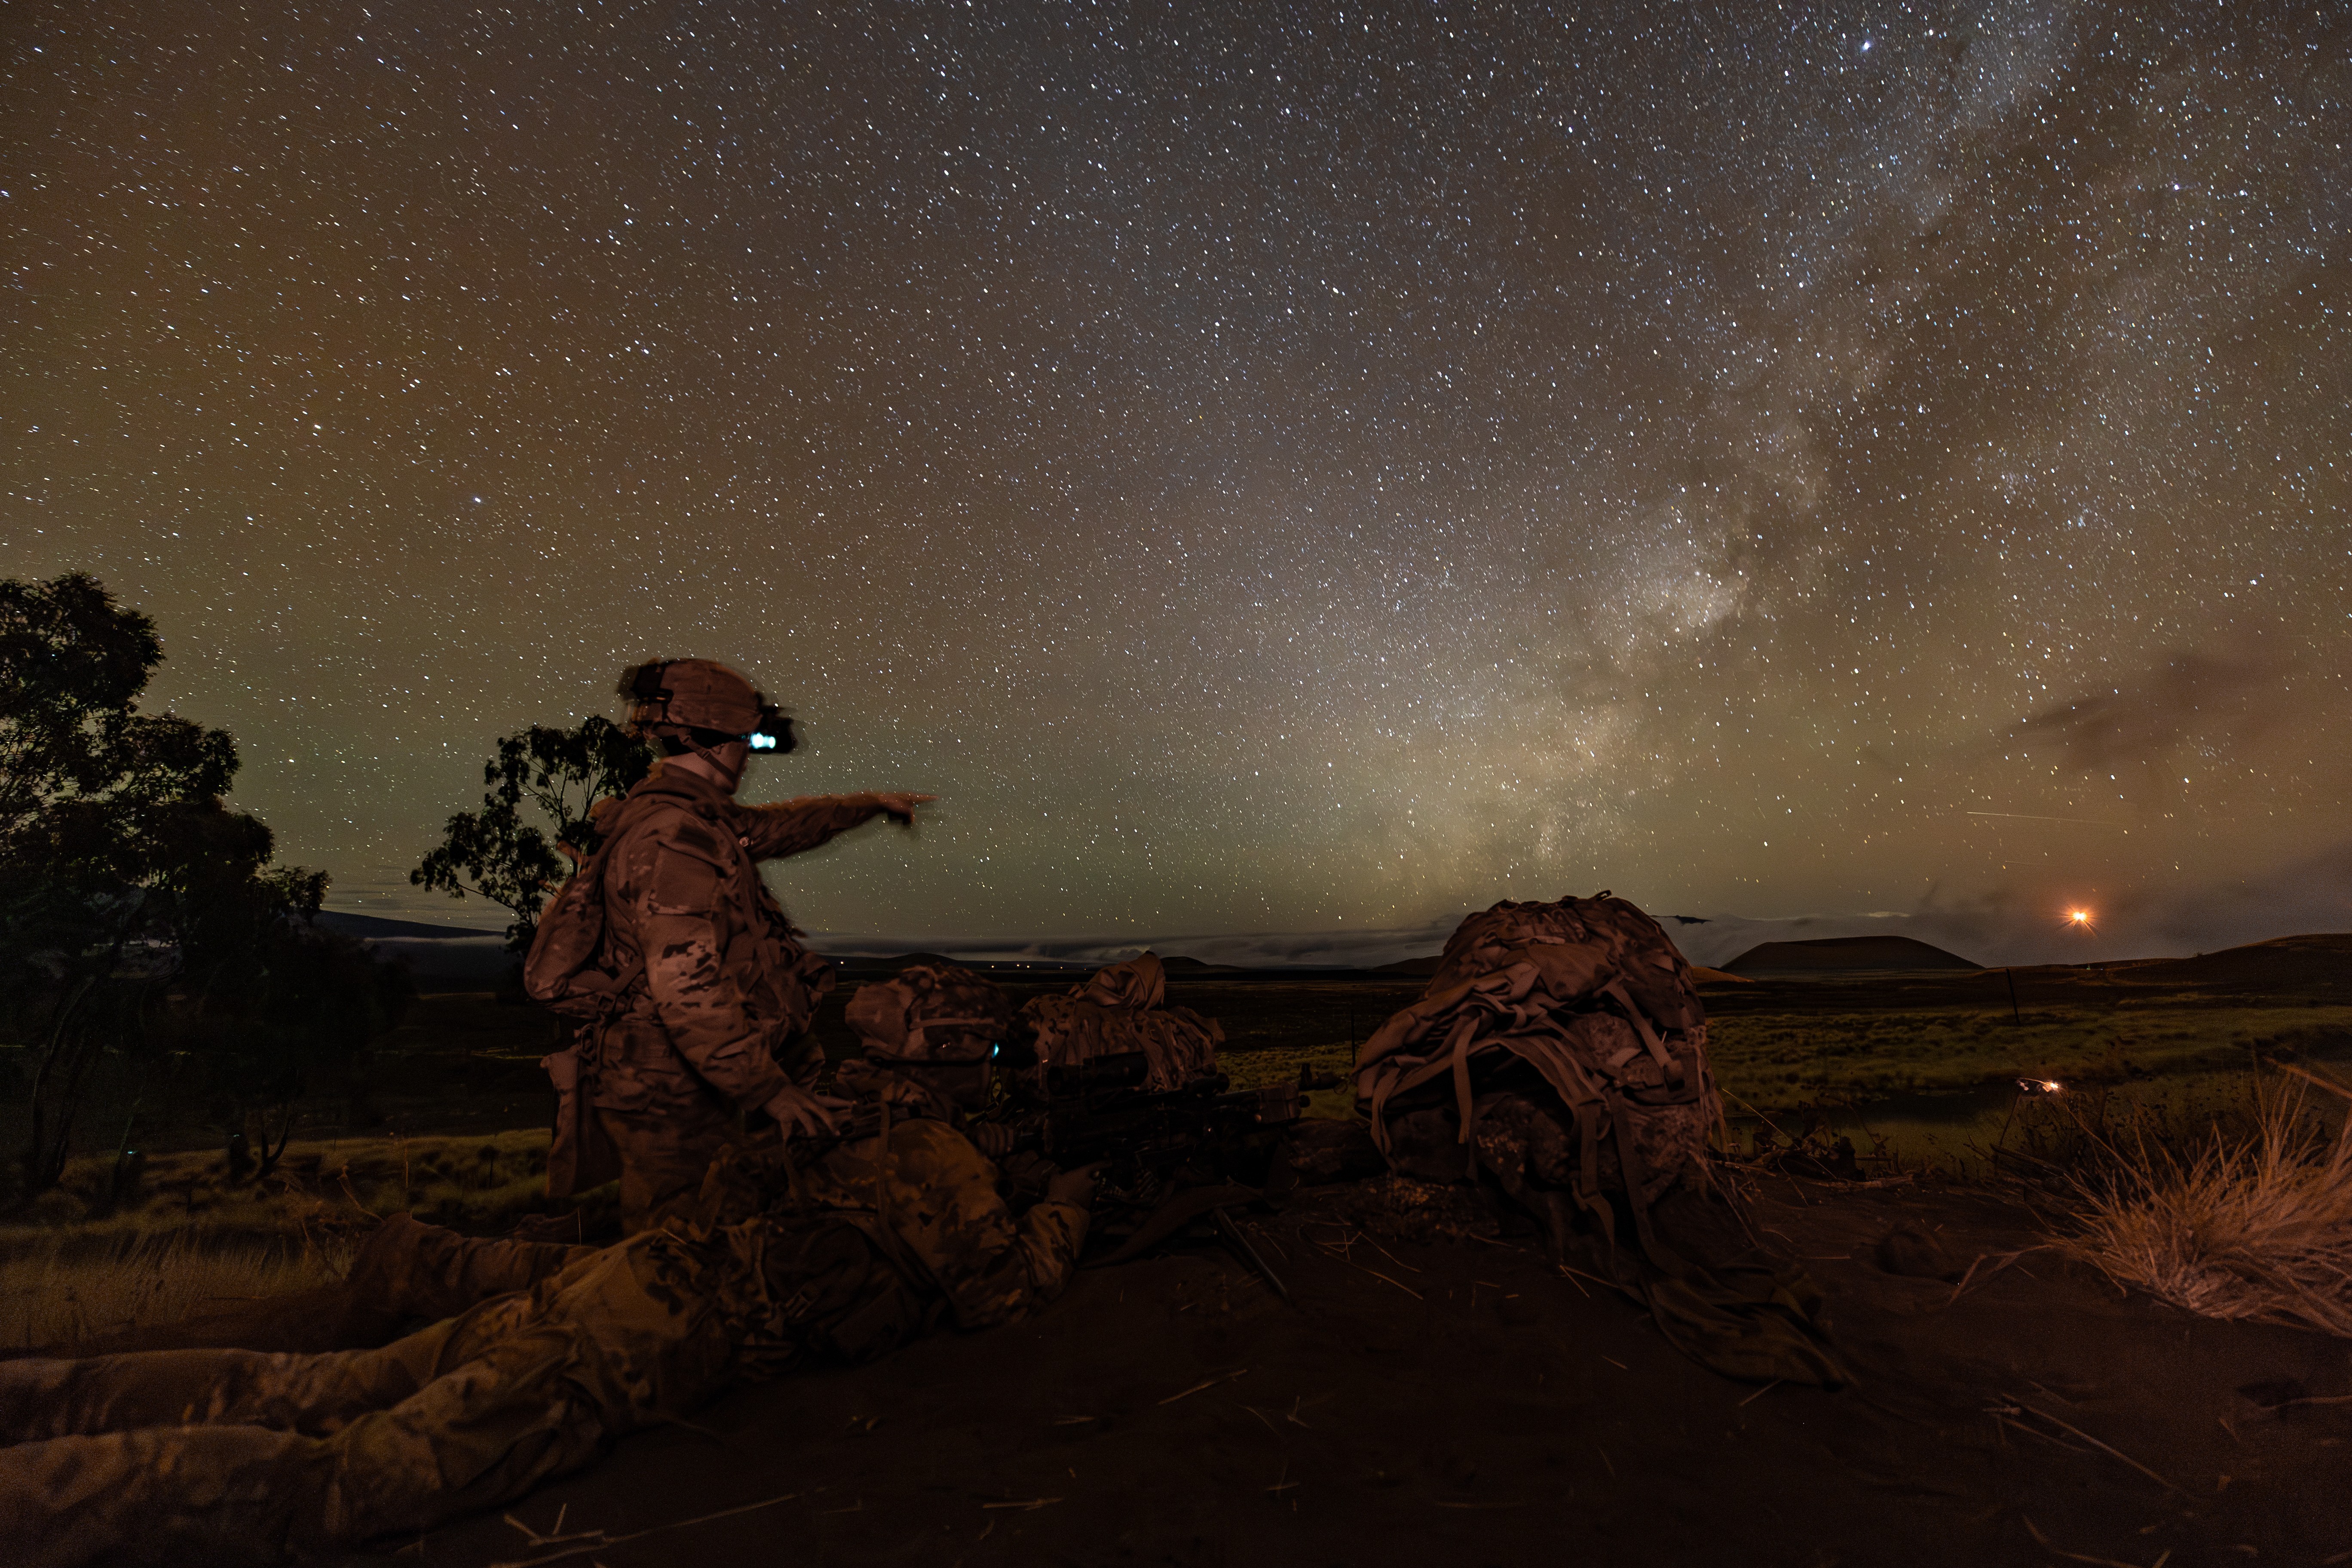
836,1284
1562,1047
563,972
831,1289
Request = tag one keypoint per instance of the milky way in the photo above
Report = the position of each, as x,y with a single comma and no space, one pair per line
1268,469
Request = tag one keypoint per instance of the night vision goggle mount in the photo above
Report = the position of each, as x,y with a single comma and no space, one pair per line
773,733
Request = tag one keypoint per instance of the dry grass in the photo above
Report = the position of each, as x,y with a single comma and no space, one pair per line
85,1262
1257,1068
475,1183
61,1296
1779,1062
2255,1225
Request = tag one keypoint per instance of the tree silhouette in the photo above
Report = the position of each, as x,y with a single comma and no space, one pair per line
560,775
124,880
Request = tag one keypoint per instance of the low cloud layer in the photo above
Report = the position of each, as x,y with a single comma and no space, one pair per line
2312,893
1253,949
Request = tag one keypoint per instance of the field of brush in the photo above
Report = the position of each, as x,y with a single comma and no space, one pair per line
1924,1070
90,1259
450,1121
1777,1061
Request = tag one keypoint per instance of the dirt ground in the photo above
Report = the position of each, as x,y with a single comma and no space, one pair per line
1462,1401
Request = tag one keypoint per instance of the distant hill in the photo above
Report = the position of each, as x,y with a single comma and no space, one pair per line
909,960
1845,953
1701,974
370,928
1420,968
1178,964
2321,960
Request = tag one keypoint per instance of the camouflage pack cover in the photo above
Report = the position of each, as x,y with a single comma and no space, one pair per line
1122,1008
930,1012
1560,1046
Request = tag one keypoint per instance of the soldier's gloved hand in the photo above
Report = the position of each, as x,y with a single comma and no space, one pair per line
797,1110
900,806
1075,1186
992,1139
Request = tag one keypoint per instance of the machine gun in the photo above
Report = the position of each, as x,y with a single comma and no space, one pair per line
1099,1110
1157,1147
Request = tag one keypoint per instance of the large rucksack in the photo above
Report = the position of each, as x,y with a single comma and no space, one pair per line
1560,1046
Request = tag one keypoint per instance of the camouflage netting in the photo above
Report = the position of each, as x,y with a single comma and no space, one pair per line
1123,1008
1560,1046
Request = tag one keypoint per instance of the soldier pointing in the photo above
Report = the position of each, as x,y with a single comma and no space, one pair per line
712,991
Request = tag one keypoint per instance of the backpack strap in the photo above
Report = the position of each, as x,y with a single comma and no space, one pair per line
1642,1026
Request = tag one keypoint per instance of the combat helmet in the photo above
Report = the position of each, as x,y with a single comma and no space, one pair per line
933,1034
698,704
932,1012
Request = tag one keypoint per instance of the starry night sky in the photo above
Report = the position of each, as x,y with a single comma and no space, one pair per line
1270,469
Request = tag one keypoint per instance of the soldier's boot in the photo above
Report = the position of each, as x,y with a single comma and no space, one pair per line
425,1271
481,1433
312,1395
218,1495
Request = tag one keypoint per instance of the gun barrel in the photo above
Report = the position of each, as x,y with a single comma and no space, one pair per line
1157,1129
1239,1247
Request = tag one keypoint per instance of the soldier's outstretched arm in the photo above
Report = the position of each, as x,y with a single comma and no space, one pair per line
790,826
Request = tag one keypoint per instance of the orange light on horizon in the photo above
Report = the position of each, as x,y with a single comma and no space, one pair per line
2080,920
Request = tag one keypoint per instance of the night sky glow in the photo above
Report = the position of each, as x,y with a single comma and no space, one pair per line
1270,469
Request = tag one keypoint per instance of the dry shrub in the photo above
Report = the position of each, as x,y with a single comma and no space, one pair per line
60,1296
2255,1225
472,1183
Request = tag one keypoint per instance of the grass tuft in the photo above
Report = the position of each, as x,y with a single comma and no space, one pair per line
2255,1226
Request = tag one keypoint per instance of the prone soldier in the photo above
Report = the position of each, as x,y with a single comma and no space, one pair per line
225,1456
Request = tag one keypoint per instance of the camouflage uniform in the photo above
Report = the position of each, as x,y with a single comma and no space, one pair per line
221,1456
1122,1008
712,1029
